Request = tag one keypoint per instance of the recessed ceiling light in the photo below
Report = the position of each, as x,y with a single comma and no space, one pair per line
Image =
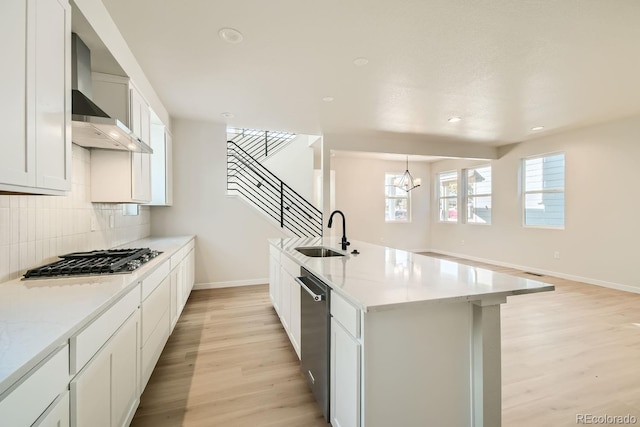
230,35
454,119
328,99
227,115
537,128
360,62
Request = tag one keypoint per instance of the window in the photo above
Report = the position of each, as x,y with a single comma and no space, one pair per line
397,202
448,196
544,191
478,194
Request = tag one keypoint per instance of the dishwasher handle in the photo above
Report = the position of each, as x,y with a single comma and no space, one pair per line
316,297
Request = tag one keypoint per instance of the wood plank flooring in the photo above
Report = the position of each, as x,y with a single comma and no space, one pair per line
230,363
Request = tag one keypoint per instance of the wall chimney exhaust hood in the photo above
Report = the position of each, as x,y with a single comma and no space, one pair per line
91,126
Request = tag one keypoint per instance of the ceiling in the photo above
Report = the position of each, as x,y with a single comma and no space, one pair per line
503,66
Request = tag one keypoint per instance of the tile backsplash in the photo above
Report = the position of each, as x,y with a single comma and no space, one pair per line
34,230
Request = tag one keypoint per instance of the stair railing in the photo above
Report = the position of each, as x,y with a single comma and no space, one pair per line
247,177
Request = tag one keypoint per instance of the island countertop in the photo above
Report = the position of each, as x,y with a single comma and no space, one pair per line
380,277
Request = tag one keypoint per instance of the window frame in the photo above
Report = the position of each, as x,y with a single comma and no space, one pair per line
396,175
524,192
439,197
466,196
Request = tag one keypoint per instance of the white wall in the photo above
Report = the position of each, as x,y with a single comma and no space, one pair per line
294,165
600,241
34,230
359,193
231,243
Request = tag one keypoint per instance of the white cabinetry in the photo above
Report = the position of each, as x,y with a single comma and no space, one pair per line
182,279
161,166
35,96
37,391
121,176
156,325
274,278
344,364
284,292
58,413
105,391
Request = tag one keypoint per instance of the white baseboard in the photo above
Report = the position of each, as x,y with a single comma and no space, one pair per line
587,280
230,284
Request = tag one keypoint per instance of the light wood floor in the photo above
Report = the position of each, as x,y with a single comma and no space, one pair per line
229,362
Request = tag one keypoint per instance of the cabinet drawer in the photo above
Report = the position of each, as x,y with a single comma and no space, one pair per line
154,279
153,348
346,314
30,399
88,341
177,258
58,413
291,266
154,307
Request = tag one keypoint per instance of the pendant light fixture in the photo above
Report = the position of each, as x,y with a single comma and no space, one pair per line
407,182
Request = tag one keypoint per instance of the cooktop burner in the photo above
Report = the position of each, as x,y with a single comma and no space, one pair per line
100,262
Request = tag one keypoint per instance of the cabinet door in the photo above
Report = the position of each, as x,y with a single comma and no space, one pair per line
274,282
175,310
140,115
57,415
168,153
17,163
294,322
345,378
53,94
285,298
124,371
91,393
140,177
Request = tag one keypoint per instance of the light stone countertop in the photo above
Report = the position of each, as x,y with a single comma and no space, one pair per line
38,316
385,278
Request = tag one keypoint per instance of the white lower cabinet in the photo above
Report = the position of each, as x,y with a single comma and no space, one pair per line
345,377
274,282
35,393
288,298
58,413
105,392
156,327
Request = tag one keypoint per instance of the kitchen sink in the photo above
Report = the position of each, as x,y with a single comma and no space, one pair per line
318,251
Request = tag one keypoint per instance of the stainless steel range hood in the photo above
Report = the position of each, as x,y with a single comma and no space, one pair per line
91,126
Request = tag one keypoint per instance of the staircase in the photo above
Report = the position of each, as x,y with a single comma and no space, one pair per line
259,144
249,179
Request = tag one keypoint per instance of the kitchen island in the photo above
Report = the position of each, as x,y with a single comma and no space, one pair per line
415,340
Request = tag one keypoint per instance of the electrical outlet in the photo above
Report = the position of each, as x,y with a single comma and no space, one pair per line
112,221
462,242
556,254
94,223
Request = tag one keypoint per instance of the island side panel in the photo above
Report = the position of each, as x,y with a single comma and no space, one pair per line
486,364
417,366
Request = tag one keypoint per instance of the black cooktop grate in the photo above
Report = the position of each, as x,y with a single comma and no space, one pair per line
98,262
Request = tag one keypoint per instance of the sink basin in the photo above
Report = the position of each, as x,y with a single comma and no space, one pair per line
318,251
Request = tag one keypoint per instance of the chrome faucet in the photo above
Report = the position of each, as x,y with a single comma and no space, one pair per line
344,240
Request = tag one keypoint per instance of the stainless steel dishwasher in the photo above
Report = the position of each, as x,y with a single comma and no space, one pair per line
315,321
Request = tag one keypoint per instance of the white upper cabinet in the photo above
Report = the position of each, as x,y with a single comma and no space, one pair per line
161,164
121,176
120,99
35,96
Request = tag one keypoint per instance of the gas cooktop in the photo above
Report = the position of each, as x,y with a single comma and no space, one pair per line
100,262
